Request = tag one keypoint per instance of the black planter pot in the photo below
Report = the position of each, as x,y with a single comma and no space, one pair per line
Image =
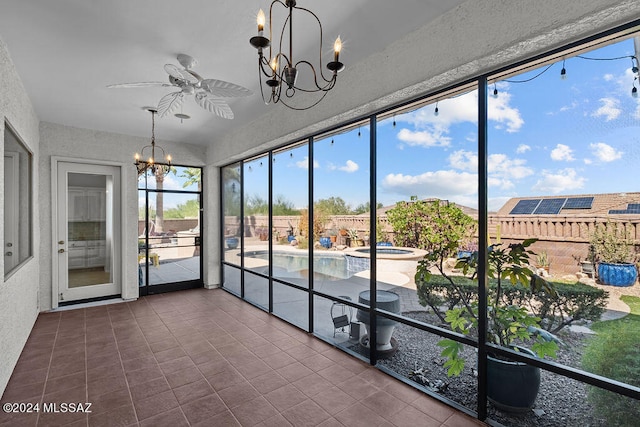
512,386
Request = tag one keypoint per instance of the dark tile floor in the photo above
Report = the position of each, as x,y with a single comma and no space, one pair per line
202,358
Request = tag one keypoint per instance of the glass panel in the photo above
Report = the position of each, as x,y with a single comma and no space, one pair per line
568,143
256,207
340,324
291,304
174,237
232,279
90,230
17,246
256,289
418,359
231,208
291,198
427,181
341,200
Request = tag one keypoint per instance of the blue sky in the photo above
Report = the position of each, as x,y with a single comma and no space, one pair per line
547,136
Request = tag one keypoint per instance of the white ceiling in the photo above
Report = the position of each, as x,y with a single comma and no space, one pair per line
68,51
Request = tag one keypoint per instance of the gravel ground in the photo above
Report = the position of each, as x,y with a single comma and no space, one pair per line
561,401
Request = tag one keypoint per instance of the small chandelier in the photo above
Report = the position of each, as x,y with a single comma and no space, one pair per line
151,164
279,68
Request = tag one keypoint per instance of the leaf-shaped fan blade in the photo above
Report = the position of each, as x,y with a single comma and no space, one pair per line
139,84
169,103
179,74
224,89
214,105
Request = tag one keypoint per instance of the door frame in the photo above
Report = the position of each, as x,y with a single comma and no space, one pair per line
55,286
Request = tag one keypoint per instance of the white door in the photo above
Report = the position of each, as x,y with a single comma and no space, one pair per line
11,241
87,245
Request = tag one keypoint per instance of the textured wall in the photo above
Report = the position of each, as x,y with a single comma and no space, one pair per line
19,293
65,141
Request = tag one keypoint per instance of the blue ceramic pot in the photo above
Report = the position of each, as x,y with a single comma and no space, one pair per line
617,274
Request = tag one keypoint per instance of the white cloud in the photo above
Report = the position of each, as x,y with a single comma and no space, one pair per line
558,182
502,166
445,184
587,161
502,170
423,138
349,167
304,163
605,152
430,130
523,148
464,160
609,109
562,152
608,77
500,111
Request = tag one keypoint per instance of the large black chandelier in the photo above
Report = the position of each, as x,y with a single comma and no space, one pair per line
279,68
151,163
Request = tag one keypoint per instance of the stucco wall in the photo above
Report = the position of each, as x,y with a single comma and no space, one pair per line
19,293
90,145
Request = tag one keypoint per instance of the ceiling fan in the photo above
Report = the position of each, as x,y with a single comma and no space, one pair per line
209,94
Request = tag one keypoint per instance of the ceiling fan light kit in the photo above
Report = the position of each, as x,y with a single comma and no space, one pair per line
280,68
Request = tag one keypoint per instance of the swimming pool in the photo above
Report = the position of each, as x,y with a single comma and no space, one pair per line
333,265
328,265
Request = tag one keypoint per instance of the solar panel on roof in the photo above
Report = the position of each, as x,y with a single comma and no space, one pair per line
632,208
617,212
549,206
578,203
524,207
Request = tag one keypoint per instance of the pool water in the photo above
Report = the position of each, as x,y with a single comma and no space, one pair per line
285,264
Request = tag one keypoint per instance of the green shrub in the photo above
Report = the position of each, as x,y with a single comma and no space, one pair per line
614,353
572,303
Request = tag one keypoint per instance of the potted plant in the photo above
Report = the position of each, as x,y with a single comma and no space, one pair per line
352,235
333,235
542,261
507,325
611,244
263,233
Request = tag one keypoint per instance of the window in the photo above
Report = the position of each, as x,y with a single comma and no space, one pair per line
17,202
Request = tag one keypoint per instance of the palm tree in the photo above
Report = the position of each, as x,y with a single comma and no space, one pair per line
194,176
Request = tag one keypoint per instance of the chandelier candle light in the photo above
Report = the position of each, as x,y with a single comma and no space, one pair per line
151,164
279,68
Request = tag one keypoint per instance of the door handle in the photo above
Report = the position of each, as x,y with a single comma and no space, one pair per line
9,244
61,242
60,251
9,254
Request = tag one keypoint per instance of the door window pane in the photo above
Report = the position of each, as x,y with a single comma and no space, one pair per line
17,246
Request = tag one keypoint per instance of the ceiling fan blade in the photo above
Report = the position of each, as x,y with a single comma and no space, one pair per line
224,89
138,84
169,103
214,105
179,74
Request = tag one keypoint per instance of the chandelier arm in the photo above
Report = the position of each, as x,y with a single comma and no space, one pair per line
262,62
321,41
305,108
271,23
290,57
327,87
